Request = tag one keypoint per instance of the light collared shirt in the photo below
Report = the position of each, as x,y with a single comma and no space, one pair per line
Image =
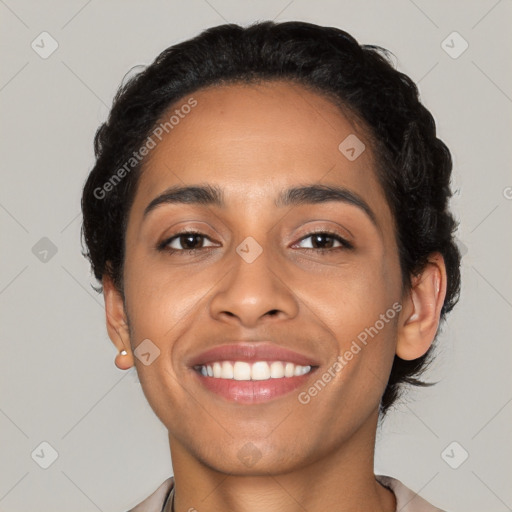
406,499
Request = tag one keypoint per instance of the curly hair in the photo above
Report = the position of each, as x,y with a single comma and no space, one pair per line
413,165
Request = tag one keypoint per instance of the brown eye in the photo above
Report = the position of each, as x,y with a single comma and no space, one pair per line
184,241
189,241
324,241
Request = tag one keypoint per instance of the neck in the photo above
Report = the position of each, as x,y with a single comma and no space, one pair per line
341,480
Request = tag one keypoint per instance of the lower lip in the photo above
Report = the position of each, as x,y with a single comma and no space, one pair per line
252,391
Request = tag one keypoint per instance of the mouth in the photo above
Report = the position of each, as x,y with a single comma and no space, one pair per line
252,373
257,371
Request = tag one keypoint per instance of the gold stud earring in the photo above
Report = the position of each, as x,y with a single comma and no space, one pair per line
122,361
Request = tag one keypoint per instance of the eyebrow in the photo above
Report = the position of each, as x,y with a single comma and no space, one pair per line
211,195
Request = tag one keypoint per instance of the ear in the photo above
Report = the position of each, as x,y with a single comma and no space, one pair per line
421,313
117,324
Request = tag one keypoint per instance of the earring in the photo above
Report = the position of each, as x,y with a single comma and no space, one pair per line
123,362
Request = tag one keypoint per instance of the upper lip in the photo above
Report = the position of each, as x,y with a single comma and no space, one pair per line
251,352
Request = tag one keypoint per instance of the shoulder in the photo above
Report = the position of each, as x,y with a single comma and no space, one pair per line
155,501
406,499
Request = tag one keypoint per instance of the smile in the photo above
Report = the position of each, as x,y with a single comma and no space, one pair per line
259,370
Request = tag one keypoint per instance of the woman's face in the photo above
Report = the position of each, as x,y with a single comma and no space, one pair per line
262,273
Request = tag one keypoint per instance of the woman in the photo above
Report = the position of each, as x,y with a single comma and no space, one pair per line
268,218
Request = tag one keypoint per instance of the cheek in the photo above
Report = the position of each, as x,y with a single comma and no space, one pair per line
359,305
163,304
349,296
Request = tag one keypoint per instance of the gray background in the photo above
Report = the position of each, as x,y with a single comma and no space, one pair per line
57,378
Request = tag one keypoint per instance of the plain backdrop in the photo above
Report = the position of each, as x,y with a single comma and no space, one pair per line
104,447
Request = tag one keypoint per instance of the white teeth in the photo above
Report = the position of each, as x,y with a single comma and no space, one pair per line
242,371
260,370
217,370
300,370
276,370
227,370
288,369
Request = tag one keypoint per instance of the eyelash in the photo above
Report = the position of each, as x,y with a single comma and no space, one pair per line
163,246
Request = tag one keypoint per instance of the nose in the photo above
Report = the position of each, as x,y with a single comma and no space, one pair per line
254,292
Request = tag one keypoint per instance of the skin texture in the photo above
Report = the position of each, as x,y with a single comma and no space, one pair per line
253,142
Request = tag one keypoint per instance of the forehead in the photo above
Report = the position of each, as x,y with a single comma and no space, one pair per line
274,121
253,140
